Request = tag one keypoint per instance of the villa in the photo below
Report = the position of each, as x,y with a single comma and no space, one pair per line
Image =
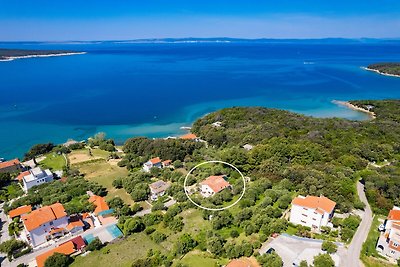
389,240
10,166
44,224
312,211
213,185
190,136
152,163
36,176
158,189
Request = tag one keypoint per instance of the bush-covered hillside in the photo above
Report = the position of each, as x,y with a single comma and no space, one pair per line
321,156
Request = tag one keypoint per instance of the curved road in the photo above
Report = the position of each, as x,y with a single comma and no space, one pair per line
354,250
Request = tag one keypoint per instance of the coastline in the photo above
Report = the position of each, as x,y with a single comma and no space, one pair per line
354,107
48,55
381,73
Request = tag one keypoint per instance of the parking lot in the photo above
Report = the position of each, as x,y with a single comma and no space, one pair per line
294,249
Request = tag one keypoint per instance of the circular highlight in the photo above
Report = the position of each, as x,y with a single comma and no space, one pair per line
215,161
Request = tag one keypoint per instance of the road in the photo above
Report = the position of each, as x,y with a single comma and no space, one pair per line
4,225
354,250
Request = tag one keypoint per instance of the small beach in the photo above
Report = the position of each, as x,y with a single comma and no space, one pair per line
36,56
381,73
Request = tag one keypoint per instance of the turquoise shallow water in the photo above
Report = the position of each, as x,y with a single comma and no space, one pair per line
153,89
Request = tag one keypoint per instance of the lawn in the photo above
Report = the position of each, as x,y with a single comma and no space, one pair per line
53,161
121,253
201,259
369,256
99,170
104,174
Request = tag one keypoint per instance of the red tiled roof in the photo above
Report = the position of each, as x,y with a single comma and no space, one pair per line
216,183
72,225
155,160
394,215
56,230
167,162
19,211
240,263
9,163
188,136
100,203
43,215
313,202
22,175
78,241
66,249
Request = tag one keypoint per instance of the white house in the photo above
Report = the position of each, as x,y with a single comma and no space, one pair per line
158,189
312,211
42,224
36,176
389,240
213,185
152,163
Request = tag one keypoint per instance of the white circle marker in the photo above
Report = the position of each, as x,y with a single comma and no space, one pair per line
215,161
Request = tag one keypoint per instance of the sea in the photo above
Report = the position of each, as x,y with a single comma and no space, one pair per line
152,89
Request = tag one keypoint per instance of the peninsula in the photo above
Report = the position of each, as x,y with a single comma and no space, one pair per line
388,69
11,54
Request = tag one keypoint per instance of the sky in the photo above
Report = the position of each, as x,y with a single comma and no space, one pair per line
52,20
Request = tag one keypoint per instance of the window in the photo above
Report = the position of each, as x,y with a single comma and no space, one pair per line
303,221
314,219
305,209
305,215
395,244
392,252
51,223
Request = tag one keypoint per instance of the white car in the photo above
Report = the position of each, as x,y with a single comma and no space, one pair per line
381,228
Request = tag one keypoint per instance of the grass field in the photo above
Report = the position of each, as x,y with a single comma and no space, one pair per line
369,256
201,259
53,161
122,253
96,168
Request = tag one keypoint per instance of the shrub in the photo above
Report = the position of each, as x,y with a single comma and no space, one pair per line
96,244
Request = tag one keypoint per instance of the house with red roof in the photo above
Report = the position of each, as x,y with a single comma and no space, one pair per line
213,185
13,165
190,136
44,223
312,211
152,163
18,212
389,240
67,248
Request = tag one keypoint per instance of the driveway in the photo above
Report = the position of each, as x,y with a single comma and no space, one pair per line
354,250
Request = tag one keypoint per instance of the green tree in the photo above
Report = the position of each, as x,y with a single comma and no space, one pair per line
58,260
303,263
329,247
184,244
323,260
96,244
270,260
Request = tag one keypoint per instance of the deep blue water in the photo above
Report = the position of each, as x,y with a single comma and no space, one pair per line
153,89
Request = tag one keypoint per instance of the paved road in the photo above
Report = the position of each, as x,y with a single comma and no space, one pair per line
354,250
4,225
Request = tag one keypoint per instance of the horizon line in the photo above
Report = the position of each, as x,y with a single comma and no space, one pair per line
206,38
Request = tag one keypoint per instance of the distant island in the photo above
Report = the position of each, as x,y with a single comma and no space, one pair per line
389,69
11,54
